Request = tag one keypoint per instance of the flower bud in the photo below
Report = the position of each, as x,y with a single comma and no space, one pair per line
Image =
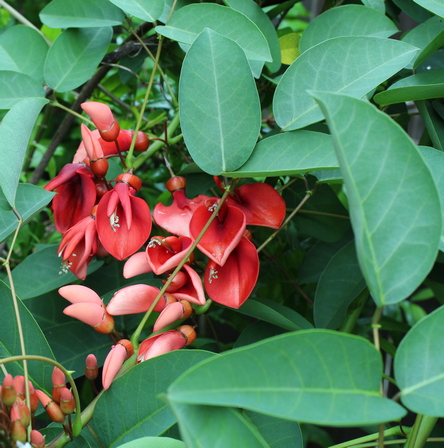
52,409
92,368
21,409
67,402
58,382
18,431
9,394
37,439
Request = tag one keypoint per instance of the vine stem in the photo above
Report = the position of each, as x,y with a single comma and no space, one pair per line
420,431
55,103
136,335
395,431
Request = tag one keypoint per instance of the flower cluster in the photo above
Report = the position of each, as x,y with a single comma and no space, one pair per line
97,218
15,415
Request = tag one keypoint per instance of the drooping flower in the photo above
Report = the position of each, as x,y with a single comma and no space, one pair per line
261,203
176,217
136,264
96,159
119,353
232,283
87,307
76,195
123,220
103,118
223,234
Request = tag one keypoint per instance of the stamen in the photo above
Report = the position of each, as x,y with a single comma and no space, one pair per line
212,275
65,267
113,221
213,207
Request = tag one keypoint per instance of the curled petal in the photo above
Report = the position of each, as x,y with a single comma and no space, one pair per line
188,286
89,313
161,344
100,114
79,293
164,257
92,145
136,264
171,313
113,362
134,299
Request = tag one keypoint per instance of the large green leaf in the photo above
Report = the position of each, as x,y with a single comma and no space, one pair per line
435,6
314,376
41,272
288,154
339,285
80,14
16,86
154,442
378,5
220,113
422,86
350,65
74,56
29,201
419,366
187,23
347,20
435,161
413,10
394,205
35,342
15,132
23,49
146,412
252,10
275,313
148,10
428,37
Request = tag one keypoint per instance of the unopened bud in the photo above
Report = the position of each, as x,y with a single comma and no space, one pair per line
58,382
37,439
67,402
52,409
9,394
20,409
92,368
18,431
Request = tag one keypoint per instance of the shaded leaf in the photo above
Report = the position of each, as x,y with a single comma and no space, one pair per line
396,219
434,6
15,87
15,132
146,412
339,285
378,5
23,49
35,342
74,56
220,112
154,442
350,65
187,23
422,86
413,10
347,20
419,366
80,14
148,10
29,201
433,122
256,332
316,376
428,37
288,154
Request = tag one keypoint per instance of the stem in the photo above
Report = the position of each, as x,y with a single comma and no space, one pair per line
136,335
420,431
395,431
354,311
70,111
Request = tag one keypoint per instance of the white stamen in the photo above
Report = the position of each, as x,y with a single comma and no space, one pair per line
212,275
212,208
113,221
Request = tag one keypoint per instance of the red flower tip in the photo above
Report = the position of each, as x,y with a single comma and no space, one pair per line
171,313
67,401
91,367
134,299
8,392
52,409
136,264
113,362
80,294
103,118
160,344
58,382
21,409
37,439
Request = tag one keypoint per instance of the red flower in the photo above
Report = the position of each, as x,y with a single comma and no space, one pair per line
232,283
76,195
103,118
123,220
134,299
187,285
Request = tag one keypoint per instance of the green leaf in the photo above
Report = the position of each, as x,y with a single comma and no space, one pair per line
275,314
29,201
15,87
23,49
314,376
15,132
154,442
252,10
288,154
434,6
205,426
413,10
35,342
80,14
220,113
257,331
349,65
378,5
435,161
339,285
41,272
148,10
418,366
422,86
394,205
187,23
428,37
146,412
74,56
433,122
347,20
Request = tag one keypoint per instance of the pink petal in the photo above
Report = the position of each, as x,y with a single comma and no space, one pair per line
100,114
170,314
136,264
191,288
134,299
113,362
79,293
161,344
163,259
88,313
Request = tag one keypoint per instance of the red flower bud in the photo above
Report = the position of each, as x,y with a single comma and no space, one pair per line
21,409
67,401
37,439
92,368
52,409
58,382
18,431
9,394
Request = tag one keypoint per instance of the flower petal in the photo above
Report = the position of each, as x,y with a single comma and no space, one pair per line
79,294
134,299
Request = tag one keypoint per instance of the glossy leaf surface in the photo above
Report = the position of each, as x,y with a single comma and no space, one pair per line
15,87
396,219
288,154
219,105
347,20
419,366
349,65
15,132
315,376
148,10
80,14
74,56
